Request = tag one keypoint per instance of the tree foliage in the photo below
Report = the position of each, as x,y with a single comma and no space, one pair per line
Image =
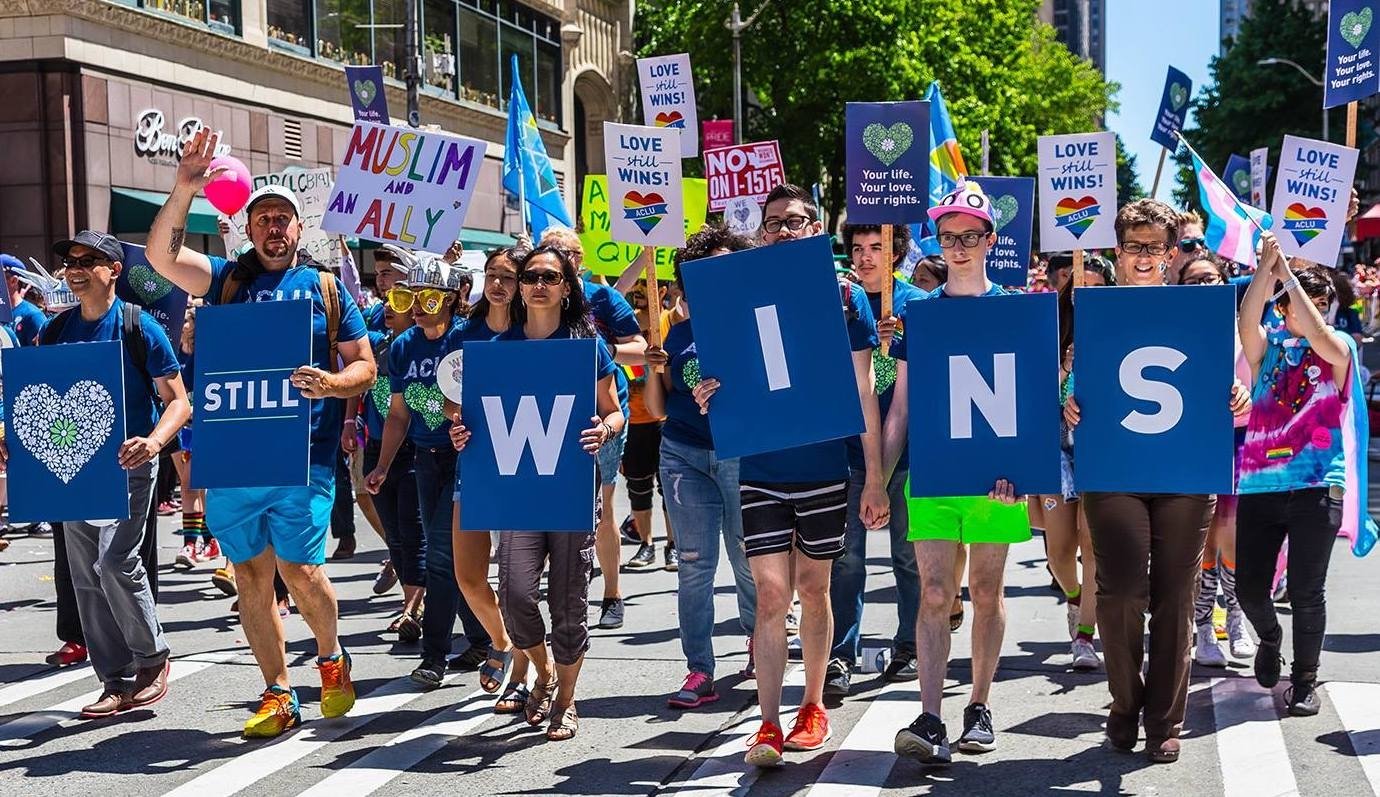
1127,178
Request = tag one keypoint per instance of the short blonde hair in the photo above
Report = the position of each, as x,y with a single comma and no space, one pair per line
567,239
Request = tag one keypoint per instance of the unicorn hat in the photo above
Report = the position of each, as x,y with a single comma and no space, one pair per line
967,199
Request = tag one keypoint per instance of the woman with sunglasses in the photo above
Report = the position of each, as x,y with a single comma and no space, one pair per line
551,305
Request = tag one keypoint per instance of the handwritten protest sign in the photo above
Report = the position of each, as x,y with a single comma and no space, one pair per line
367,99
888,171
1013,217
404,186
1350,72
746,170
668,98
1178,88
1237,176
1312,190
1077,191
603,255
1260,160
313,190
644,184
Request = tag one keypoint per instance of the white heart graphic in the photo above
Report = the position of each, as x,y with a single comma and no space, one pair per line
64,432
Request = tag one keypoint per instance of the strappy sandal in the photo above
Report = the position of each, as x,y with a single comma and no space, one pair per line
564,725
956,618
491,678
538,706
513,699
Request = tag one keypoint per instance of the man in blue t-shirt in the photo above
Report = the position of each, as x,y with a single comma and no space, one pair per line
284,528
28,318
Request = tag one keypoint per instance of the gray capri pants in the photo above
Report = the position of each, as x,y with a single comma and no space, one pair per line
522,556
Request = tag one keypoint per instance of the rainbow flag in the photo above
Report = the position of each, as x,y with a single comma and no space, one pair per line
1233,229
946,162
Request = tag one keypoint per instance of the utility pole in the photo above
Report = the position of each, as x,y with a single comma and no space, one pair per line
413,74
736,25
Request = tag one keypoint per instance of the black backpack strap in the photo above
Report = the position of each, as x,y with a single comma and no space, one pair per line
132,332
53,329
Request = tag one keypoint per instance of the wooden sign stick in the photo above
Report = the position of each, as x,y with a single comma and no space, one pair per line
653,306
1077,275
1351,124
889,262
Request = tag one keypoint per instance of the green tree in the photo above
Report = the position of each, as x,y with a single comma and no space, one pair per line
1127,179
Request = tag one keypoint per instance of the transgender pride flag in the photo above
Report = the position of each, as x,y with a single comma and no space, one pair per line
1233,228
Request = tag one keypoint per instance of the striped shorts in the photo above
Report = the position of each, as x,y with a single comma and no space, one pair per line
810,514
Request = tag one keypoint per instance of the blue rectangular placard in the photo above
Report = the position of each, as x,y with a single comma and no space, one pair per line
1154,396
365,84
65,422
1178,90
1237,176
1013,215
139,284
525,403
1353,42
777,344
888,161
252,427
984,394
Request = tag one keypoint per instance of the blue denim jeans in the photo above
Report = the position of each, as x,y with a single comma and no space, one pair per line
436,498
849,577
702,502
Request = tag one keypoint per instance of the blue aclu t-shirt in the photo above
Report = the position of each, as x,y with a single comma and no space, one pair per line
603,365
381,392
614,318
302,282
28,320
412,362
884,366
141,407
817,462
684,423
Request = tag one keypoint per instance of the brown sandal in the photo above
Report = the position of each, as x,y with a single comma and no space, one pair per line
513,700
956,617
564,725
538,706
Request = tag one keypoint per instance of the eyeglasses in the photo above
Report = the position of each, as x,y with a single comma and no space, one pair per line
792,223
85,262
402,299
1191,244
1136,247
949,240
1206,279
552,278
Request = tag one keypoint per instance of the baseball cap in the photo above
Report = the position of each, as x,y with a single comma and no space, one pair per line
11,263
102,242
967,199
274,192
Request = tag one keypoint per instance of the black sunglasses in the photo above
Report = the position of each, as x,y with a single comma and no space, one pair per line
1191,244
85,262
552,278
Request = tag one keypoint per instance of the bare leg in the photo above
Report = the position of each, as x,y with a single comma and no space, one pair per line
771,576
606,545
938,562
1061,543
365,500
642,521
1087,610
315,599
568,675
412,598
816,622
259,616
472,573
987,562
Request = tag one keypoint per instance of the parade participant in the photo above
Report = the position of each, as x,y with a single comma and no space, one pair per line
266,529
28,318
704,502
930,273
550,306
198,543
1148,547
1192,245
118,617
433,294
941,527
848,581
796,500
642,454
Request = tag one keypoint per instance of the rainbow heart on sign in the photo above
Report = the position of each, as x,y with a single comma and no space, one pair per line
672,119
644,210
1076,215
1304,223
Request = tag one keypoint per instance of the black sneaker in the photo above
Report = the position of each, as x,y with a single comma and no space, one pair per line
611,613
643,559
429,673
1267,664
628,531
977,730
471,660
926,740
672,558
838,678
901,667
1302,697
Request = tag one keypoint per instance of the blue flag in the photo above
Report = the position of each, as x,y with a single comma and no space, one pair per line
527,170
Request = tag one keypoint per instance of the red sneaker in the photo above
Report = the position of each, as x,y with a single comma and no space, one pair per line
209,550
70,653
764,749
810,730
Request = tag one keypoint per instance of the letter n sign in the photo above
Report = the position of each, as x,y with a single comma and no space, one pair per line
526,403
984,394
1153,370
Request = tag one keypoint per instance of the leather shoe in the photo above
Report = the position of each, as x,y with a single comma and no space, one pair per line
113,700
345,549
1165,751
1122,732
150,684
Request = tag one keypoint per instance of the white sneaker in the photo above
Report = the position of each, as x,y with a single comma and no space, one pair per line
186,558
1206,652
1072,612
1084,655
1238,638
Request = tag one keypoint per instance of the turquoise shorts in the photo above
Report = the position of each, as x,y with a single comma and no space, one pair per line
294,521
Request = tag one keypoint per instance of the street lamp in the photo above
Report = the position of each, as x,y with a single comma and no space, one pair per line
1315,81
736,24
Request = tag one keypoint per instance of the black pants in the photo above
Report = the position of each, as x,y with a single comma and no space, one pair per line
1309,520
343,511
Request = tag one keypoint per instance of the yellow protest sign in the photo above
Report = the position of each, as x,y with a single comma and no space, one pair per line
605,256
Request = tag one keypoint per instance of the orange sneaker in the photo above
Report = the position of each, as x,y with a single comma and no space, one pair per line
764,749
278,712
337,690
810,730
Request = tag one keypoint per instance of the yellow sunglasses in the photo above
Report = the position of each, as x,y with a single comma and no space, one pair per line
402,299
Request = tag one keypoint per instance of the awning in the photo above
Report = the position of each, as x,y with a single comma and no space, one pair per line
1368,224
132,212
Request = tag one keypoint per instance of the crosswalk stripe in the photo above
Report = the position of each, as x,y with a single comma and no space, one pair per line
37,686
1250,743
404,751
257,762
1358,706
19,731
864,760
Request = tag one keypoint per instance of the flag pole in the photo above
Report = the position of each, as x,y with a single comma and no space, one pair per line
1155,187
1233,196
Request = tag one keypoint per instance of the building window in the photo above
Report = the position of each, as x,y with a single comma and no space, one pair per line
344,32
438,44
479,62
390,41
221,16
289,25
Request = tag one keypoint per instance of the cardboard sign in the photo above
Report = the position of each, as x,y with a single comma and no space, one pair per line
64,425
1237,176
717,133
365,84
778,346
984,396
140,284
603,255
668,98
1312,191
644,180
1154,397
244,356
888,172
1178,90
1353,42
404,186
743,215
747,170
1260,160
1013,216
313,190
1077,191
526,403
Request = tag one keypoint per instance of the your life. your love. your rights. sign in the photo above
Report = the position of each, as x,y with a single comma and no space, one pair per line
140,284
644,184
1077,191
1178,88
1353,44
668,98
1013,217
1312,191
887,147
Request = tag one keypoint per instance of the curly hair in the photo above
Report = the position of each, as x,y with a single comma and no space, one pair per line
900,238
704,243
1316,281
1148,213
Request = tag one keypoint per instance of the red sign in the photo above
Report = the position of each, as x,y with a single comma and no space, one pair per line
750,170
717,133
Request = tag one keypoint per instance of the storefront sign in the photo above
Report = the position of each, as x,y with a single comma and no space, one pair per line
165,148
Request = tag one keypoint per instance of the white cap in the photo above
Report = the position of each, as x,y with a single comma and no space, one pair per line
275,192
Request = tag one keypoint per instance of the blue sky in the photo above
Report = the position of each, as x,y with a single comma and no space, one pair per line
1187,37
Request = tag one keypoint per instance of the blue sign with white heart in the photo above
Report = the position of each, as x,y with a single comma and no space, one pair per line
525,404
1154,397
888,161
65,423
1013,218
1350,72
1178,90
139,284
245,354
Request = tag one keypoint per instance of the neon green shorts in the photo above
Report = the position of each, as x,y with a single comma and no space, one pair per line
967,519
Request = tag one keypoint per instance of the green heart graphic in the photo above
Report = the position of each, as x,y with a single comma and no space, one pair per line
426,401
1355,26
884,368
382,394
149,284
365,90
690,372
888,143
1005,208
1242,180
1178,95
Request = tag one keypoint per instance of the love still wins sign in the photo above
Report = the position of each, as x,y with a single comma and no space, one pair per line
1312,191
644,184
1077,191
888,161
404,186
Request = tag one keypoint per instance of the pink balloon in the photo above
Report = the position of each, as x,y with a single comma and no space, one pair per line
230,189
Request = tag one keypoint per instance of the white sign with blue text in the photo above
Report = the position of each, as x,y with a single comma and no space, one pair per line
668,98
647,206
1077,176
1312,191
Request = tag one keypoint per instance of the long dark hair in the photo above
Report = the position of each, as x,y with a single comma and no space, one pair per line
516,253
574,312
